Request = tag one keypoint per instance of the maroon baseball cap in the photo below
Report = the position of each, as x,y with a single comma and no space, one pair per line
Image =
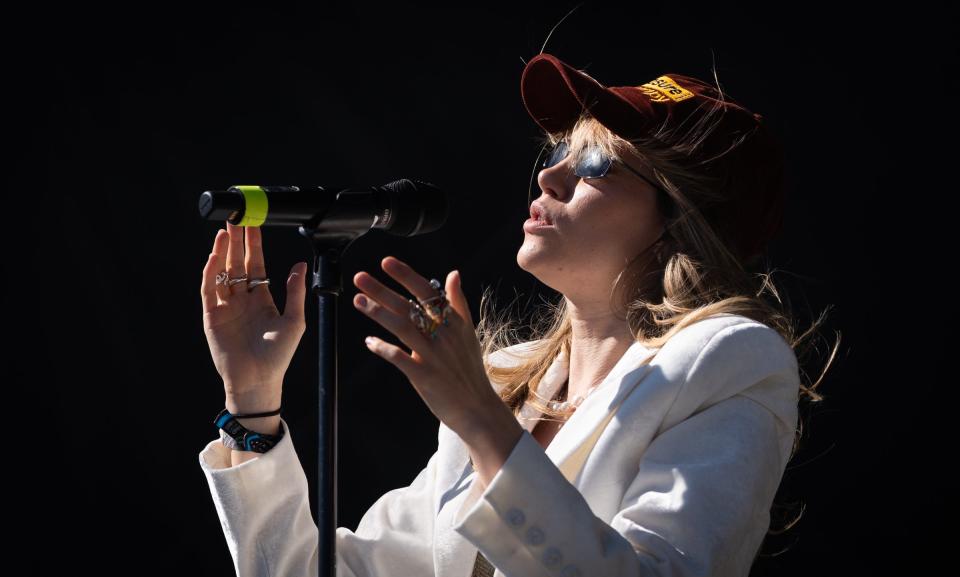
751,211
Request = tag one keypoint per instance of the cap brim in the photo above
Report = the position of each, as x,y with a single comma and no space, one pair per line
555,94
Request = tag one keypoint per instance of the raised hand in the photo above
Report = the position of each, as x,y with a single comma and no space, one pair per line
250,341
447,371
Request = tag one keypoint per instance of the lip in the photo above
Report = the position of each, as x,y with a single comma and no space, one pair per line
537,211
533,225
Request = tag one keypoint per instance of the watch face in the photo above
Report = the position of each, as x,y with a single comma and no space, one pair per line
239,438
260,445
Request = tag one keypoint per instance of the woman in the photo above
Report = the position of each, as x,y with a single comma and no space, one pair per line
644,430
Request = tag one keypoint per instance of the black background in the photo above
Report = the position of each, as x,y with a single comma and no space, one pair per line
127,115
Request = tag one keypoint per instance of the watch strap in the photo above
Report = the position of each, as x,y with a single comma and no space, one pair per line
237,437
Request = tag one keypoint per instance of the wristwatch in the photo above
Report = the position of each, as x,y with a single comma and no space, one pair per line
239,438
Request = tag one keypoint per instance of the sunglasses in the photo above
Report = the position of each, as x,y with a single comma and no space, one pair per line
593,163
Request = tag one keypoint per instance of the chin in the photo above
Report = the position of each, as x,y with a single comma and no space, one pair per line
530,259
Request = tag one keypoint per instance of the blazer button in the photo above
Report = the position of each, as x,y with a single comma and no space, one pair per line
515,517
570,571
534,535
552,556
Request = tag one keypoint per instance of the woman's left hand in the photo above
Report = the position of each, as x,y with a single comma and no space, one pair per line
447,372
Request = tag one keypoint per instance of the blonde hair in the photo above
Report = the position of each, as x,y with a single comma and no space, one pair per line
689,275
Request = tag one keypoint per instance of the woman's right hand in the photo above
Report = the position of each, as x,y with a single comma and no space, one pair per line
250,341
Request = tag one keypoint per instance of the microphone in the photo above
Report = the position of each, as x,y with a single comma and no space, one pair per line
403,207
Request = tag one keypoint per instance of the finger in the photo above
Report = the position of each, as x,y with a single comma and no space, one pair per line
253,260
409,278
235,266
456,297
296,293
398,324
381,293
395,355
217,265
208,290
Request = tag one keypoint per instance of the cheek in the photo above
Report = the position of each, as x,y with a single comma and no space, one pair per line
618,225
610,216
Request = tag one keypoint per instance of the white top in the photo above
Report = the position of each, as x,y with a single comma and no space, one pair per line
664,469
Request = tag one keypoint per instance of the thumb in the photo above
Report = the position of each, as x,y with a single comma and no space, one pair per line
296,292
457,299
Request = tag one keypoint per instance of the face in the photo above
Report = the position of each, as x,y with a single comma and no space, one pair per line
598,226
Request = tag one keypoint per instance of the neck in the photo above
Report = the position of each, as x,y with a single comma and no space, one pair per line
593,354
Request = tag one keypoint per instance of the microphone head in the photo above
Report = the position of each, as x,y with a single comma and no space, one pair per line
417,207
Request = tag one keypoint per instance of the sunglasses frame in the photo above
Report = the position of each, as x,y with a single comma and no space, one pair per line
608,162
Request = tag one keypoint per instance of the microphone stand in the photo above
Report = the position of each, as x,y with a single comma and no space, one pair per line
328,246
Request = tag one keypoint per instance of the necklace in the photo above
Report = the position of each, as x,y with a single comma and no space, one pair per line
569,406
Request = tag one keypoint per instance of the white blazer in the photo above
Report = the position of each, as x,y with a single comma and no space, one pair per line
665,469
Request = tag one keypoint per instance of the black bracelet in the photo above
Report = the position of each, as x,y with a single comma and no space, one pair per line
270,414
244,439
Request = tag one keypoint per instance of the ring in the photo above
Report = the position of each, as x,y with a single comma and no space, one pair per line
223,278
254,283
428,317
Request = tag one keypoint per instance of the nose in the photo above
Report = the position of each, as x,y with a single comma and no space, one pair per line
557,180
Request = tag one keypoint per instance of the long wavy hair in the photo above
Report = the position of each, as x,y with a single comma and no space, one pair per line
690,274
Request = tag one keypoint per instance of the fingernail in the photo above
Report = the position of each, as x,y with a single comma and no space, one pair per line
362,300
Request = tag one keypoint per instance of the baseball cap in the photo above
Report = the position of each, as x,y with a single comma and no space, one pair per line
750,211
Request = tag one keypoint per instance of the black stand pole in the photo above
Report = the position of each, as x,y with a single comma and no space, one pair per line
327,249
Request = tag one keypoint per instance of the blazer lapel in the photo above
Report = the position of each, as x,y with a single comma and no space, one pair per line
573,442
568,450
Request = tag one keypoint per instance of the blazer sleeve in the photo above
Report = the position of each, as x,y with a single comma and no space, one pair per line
264,509
699,501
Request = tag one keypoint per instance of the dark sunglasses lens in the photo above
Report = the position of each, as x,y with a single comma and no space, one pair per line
558,153
593,163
